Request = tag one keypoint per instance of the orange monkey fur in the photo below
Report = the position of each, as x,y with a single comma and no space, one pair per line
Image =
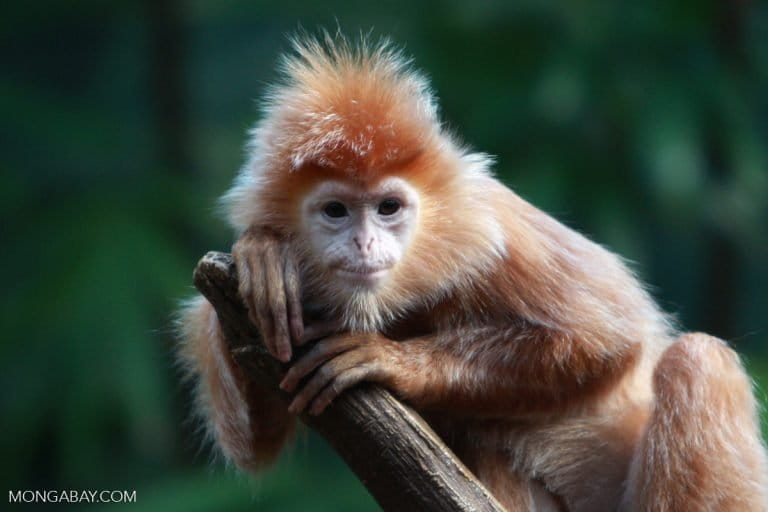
533,351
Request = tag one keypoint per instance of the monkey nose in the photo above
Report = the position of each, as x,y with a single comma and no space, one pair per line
364,244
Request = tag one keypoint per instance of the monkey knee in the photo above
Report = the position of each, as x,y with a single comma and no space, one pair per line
700,372
695,360
702,449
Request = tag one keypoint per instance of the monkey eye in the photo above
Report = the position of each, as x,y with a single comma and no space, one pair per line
335,209
389,206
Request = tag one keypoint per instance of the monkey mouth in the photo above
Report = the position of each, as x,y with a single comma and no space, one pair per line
363,274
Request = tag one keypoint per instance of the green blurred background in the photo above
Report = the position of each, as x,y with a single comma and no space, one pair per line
642,124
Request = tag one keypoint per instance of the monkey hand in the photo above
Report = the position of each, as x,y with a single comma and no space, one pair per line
269,285
341,361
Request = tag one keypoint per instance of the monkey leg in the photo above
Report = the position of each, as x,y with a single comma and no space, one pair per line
702,450
249,425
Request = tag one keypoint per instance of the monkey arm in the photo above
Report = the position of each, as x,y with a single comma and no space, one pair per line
520,370
480,371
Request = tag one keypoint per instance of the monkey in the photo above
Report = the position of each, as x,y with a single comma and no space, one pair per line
368,231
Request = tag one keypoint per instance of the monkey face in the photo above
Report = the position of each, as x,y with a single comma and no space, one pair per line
359,233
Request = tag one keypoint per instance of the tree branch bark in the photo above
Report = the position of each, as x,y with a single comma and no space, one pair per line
392,450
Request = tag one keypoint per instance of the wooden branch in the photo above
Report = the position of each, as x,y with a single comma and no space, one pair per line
396,455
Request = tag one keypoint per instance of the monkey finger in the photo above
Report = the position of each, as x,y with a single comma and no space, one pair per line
250,278
242,254
319,380
267,329
293,295
318,355
308,392
278,310
256,311
256,302
341,383
243,275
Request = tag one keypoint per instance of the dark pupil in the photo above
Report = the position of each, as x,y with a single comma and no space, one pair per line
335,209
389,206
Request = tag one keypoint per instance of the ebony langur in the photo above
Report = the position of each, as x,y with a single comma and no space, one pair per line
533,351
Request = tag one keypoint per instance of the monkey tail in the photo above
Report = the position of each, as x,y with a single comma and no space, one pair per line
702,450
248,424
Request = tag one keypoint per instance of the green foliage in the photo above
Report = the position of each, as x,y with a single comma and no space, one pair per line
643,124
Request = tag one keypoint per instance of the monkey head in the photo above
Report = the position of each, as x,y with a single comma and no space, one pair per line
351,161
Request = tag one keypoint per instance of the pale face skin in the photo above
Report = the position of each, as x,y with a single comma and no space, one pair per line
360,234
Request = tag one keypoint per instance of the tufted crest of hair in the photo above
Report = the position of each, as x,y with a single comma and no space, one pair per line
356,109
350,107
